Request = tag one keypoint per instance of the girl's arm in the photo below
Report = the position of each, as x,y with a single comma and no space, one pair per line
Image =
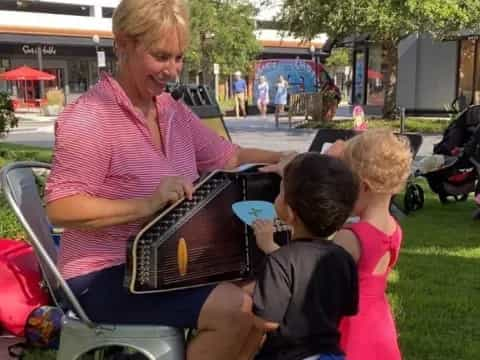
347,239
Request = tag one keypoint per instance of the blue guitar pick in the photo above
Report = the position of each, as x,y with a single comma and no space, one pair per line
249,211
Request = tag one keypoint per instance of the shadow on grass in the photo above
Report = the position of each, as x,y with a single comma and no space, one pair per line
435,300
435,289
442,228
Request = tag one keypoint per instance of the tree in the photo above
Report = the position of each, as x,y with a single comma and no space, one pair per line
386,22
8,119
222,32
339,57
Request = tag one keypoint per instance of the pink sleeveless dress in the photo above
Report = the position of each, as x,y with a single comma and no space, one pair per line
371,334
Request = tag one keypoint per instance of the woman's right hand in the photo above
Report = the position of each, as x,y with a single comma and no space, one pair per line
169,190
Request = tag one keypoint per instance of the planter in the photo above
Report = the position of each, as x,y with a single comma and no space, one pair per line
52,110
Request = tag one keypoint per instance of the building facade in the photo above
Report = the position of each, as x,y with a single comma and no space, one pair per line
70,39
428,74
432,74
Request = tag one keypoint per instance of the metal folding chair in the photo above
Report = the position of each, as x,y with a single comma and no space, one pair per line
79,334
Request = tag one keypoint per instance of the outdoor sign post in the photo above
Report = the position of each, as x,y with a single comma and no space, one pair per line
40,67
216,72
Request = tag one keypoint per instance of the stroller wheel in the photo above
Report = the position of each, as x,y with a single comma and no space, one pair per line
443,198
462,197
414,198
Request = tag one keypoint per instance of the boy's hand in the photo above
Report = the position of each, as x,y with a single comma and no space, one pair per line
263,230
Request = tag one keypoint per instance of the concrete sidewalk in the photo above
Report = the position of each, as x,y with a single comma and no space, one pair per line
253,131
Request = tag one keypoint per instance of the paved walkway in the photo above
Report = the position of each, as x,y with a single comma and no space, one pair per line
252,131
256,132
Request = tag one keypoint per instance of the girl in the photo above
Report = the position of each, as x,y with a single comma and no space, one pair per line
262,96
280,97
382,161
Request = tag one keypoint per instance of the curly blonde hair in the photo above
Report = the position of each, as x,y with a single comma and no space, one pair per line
151,20
381,159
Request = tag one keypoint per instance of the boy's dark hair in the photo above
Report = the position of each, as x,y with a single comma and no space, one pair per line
321,190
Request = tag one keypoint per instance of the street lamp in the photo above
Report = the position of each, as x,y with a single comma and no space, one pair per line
313,52
96,41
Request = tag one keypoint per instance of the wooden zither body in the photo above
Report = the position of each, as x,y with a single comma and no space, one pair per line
201,241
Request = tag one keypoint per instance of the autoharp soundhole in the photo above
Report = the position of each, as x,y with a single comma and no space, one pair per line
182,257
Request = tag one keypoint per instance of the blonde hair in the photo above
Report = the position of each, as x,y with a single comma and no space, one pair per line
381,159
150,20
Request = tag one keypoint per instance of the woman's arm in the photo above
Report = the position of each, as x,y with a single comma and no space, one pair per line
87,212
251,155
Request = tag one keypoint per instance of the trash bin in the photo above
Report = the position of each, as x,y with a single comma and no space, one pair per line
199,99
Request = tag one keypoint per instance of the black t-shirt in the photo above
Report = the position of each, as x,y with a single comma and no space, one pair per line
306,287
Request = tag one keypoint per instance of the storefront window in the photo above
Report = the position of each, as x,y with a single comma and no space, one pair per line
95,71
5,86
466,70
78,76
375,77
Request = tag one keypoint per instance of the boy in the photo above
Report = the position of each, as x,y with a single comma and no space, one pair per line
307,286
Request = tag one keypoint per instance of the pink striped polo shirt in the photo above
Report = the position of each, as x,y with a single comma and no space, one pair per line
103,148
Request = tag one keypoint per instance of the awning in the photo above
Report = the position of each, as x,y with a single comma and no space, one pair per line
372,74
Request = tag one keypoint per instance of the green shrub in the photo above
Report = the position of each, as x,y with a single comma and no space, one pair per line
421,125
9,226
8,119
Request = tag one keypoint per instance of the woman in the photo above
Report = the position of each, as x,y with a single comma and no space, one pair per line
280,97
262,96
124,151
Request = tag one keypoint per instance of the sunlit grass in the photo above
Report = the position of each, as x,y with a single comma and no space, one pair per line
435,291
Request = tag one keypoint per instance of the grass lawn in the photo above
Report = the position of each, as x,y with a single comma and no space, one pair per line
414,124
434,291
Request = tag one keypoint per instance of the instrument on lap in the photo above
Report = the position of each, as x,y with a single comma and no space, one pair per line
201,241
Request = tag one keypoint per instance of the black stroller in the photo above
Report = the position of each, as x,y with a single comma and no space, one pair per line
457,177
413,198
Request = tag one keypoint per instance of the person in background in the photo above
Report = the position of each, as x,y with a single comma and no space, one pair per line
124,151
262,96
280,100
240,94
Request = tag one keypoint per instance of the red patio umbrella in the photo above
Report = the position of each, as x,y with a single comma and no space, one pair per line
372,74
26,73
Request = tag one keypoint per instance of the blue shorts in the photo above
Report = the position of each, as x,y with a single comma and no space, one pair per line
105,300
326,357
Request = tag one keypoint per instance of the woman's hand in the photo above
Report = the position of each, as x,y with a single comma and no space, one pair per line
263,230
169,190
278,168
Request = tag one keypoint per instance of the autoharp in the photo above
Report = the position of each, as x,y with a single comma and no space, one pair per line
200,241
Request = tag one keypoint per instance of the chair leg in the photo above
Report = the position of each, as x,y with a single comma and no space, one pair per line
99,354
